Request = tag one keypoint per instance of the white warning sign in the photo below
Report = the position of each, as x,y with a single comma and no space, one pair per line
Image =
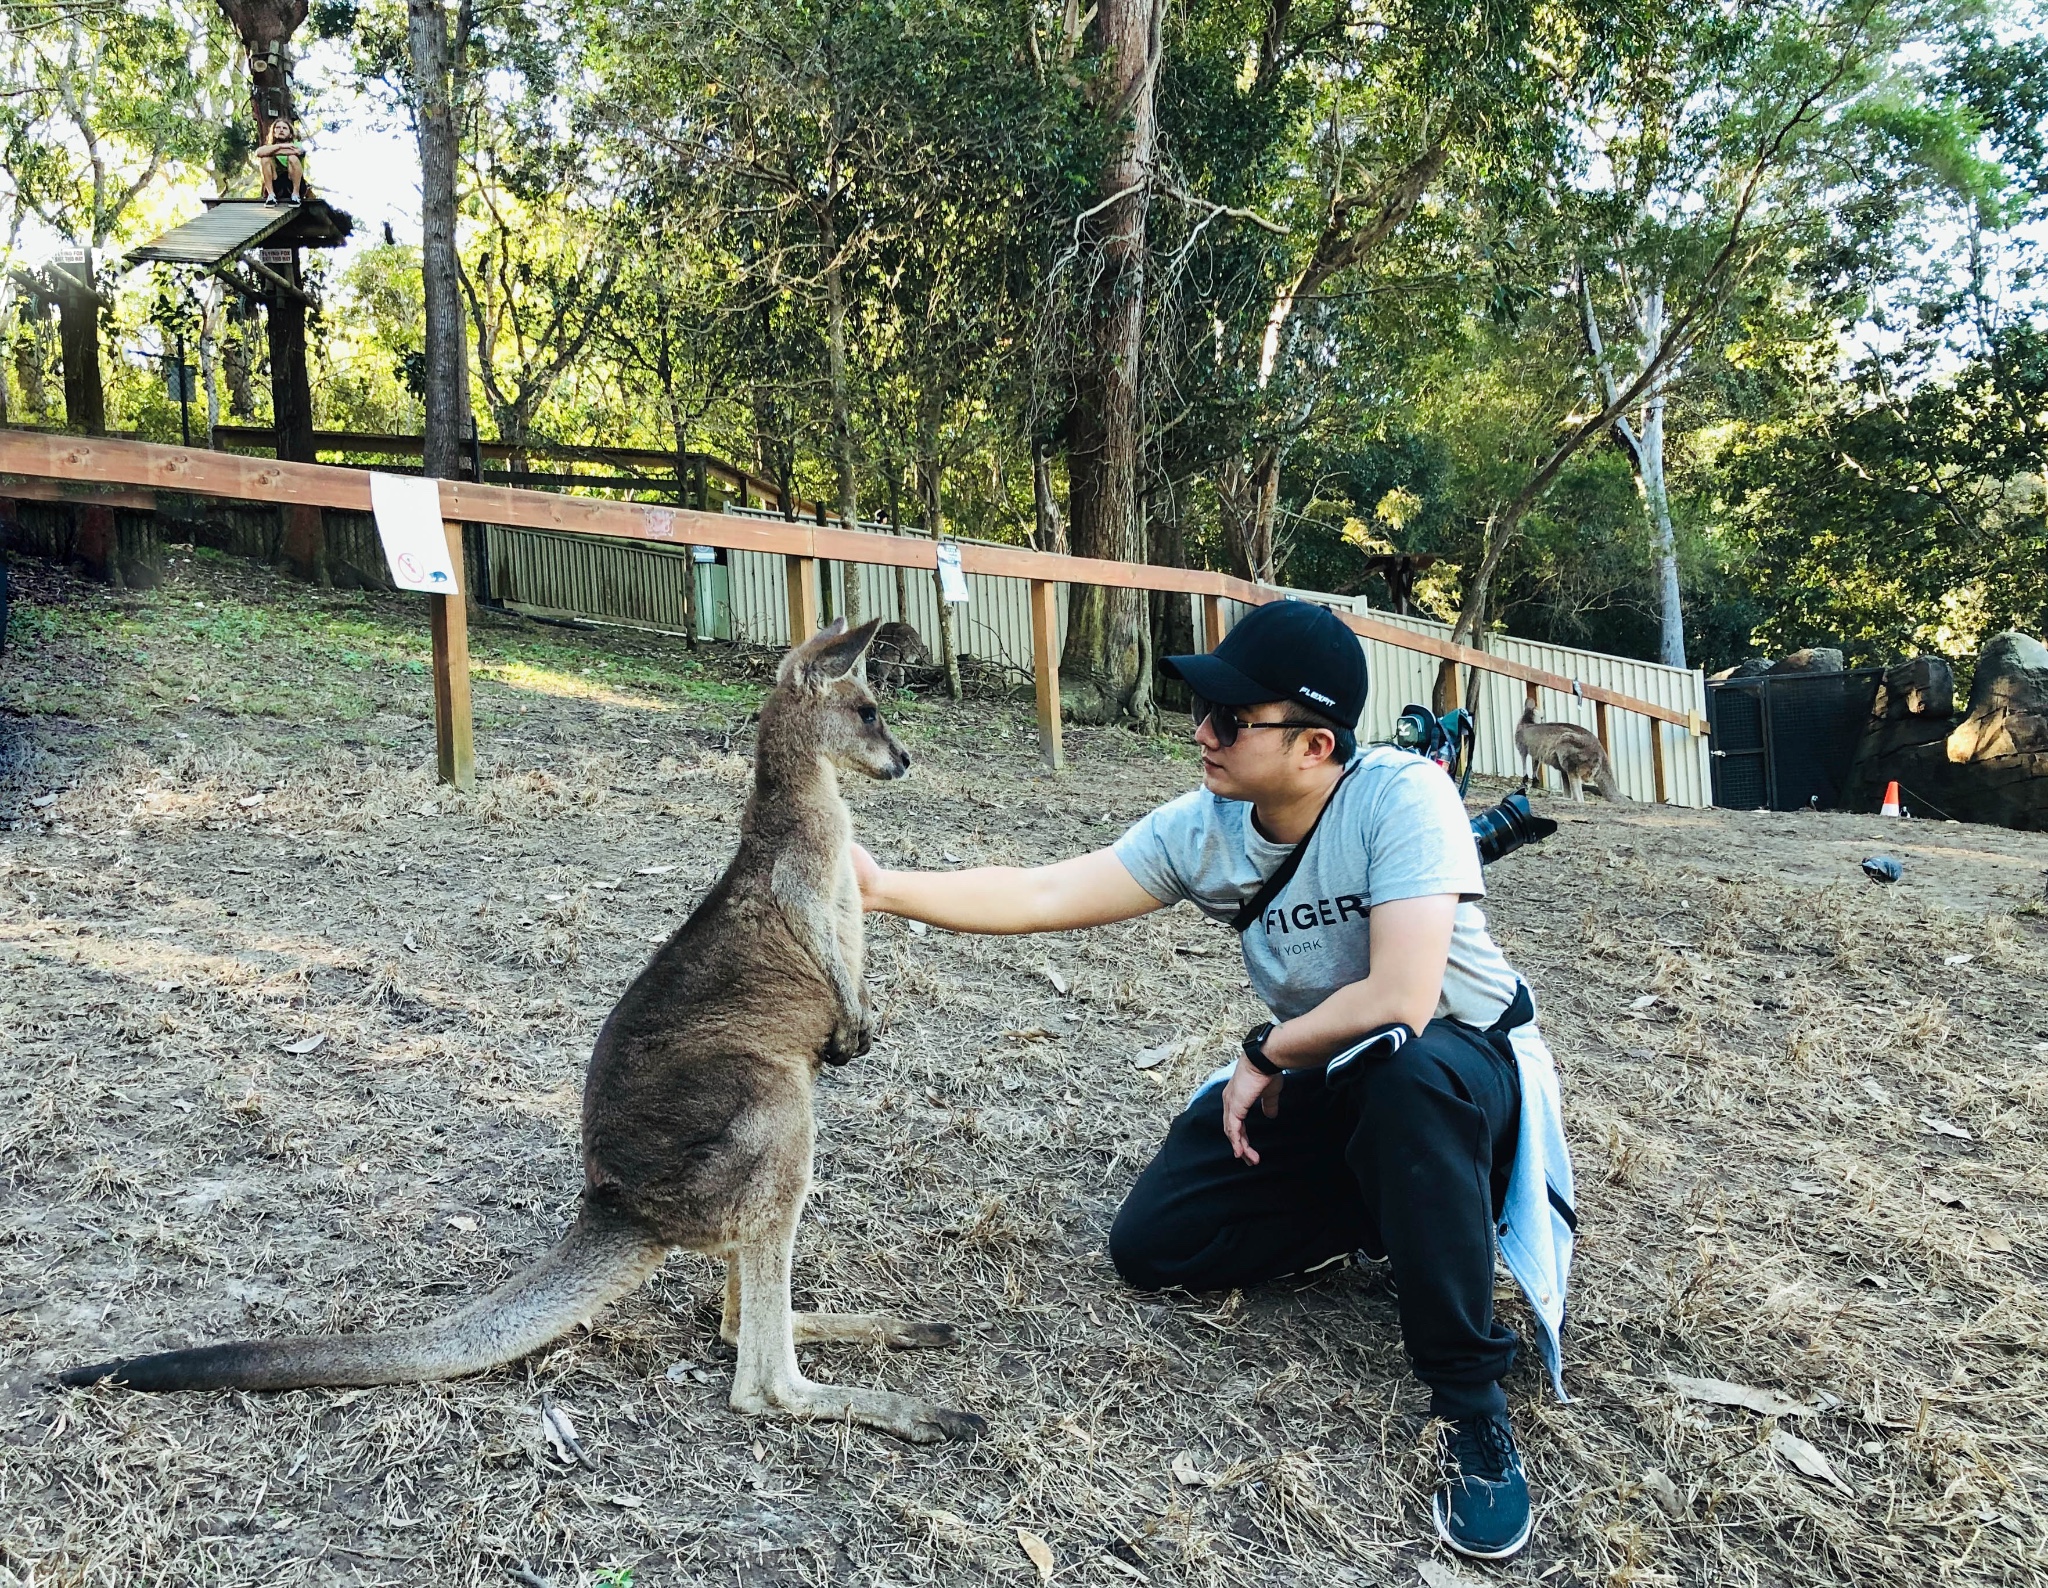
415,543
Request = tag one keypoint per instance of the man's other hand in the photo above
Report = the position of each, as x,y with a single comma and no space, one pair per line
1245,1087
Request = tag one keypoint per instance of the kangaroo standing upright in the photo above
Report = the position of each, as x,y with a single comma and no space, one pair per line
697,1117
1574,751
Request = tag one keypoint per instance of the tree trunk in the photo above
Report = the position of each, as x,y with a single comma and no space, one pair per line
928,467
209,364
896,528
1049,531
291,387
1671,648
1649,461
1103,674
842,415
78,337
1250,497
234,360
447,364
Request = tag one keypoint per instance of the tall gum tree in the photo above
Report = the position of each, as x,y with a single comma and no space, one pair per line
1106,670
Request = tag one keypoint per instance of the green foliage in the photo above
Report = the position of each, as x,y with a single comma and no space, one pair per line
1838,204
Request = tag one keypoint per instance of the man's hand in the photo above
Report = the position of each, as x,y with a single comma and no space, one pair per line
1245,1087
867,876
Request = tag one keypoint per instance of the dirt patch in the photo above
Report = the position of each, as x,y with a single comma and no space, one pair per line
1806,1110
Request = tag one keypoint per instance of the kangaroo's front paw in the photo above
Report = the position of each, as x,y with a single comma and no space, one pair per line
849,1042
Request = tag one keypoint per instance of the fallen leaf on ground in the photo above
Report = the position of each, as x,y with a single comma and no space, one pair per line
654,871
1948,1198
1059,982
1994,1240
1720,1392
1185,1471
251,802
918,928
1439,1575
1644,1002
1957,959
1807,1458
462,1222
1659,1487
1877,1093
560,1433
1946,1127
304,1044
1039,1551
1808,1188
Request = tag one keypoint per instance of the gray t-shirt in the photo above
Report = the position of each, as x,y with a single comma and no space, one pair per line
1395,829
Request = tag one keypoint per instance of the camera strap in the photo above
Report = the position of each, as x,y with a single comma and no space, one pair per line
1255,907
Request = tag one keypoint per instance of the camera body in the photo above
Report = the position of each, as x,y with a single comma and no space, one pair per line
1449,740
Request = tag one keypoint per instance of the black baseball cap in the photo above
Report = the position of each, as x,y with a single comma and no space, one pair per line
1284,650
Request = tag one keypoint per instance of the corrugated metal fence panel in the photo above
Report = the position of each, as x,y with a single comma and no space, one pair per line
1687,763
584,576
634,582
994,624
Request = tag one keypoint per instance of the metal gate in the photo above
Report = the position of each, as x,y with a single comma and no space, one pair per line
1784,741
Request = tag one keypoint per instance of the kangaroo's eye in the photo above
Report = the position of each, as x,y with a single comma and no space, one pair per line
867,714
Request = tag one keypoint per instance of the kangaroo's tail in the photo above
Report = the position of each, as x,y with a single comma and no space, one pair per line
600,1259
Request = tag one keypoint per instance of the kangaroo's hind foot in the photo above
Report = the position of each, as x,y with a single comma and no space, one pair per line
768,1379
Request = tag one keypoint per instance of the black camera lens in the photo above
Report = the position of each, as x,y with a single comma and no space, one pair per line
1507,826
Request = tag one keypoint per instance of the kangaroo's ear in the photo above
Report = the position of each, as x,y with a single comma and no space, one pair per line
799,657
839,656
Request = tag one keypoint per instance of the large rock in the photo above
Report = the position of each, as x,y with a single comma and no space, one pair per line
1748,667
2008,713
1814,659
1922,687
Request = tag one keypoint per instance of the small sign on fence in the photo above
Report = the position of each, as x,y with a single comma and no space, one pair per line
952,578
415,543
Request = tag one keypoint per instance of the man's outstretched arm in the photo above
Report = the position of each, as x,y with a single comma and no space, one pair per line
1088,890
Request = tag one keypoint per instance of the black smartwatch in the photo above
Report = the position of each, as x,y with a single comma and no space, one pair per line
1255,1050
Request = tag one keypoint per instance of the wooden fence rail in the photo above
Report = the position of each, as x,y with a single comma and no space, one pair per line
84,467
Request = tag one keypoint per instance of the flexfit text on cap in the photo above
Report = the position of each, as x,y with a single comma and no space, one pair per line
1284,650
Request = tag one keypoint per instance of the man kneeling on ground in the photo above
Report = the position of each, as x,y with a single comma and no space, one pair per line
1351,879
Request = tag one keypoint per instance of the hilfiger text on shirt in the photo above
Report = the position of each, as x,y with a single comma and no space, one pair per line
1290,918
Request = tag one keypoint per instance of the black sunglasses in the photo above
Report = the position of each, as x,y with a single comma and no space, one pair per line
1226,724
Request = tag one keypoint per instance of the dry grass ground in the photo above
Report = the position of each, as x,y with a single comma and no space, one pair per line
1807,1111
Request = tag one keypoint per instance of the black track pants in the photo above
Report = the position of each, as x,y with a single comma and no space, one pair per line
1408,1159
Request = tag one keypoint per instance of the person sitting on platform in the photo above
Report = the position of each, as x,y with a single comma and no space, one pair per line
282,150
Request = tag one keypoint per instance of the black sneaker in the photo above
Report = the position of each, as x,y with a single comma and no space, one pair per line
1482,1510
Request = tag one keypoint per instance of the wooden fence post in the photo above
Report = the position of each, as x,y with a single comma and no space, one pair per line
454,728
1212,622
802,576
1045,671
1600,727
1657,758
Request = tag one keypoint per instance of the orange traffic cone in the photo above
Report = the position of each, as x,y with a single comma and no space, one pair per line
1891,799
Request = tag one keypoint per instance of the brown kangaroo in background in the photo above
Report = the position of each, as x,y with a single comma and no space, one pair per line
1575,752
697,1117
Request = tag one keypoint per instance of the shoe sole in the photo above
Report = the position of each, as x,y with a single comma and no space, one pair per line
1443,1532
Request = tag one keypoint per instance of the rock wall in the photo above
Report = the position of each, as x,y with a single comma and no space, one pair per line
1992,766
